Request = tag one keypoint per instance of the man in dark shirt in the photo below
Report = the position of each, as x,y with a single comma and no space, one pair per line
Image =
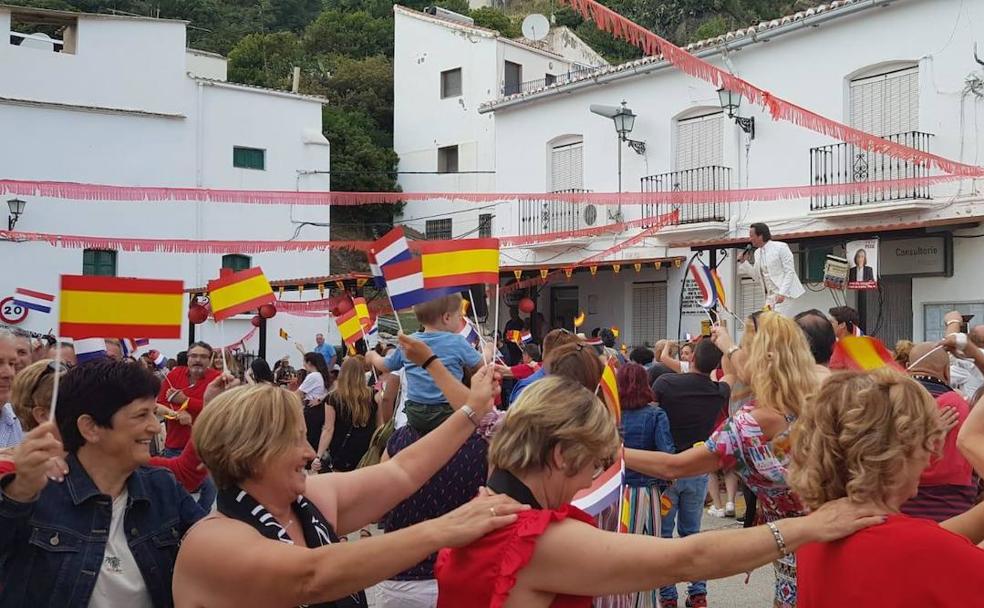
692,402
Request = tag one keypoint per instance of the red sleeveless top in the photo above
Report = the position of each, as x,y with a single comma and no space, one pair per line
483,573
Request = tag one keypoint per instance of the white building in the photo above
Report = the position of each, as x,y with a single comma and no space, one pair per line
444,69
902,69
121,101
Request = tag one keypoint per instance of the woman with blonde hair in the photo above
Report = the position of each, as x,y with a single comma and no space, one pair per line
350,419
553,441
275,539
755,441
867,437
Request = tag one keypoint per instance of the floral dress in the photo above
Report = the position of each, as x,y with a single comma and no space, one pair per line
740,444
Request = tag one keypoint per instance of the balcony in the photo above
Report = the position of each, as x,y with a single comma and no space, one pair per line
845,163
542,217
694,218
528,86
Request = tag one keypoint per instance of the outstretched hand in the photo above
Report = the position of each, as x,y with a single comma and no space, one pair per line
416,351
219,385
475,519
38,458
842,517
484,387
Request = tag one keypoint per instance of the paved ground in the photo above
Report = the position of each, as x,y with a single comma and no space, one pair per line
730,592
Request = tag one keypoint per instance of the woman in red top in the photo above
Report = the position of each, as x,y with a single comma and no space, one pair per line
868,437
553,442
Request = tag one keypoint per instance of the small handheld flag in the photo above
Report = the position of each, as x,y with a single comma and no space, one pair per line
580,319
603,492
405,285
861,354
705,284
283,334
33,300
239,292
526,337
112,306
362,311
468,332
89,349
609,388
718,287
460,262
514,335
349,327
392,247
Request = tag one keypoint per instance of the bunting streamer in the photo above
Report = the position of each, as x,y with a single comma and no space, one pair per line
69,241
241,342
618,26
103,193
661,221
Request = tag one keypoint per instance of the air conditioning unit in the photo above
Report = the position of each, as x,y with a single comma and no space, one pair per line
444,13
590,215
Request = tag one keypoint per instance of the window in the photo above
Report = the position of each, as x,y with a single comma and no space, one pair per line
451,83
99,262
438,230
567,167
514,78
886,103
485,226
751,297
648,313
248,158
236,261
700,141
549,79
933,316
447,159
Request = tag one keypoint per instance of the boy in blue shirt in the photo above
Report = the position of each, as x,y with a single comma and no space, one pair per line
426,406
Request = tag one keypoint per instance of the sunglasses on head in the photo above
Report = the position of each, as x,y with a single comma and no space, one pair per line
53,366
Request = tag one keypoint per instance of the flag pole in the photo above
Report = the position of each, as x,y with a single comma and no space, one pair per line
478,328
222,339
54,387
495,327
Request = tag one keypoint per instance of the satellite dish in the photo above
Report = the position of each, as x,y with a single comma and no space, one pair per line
535,27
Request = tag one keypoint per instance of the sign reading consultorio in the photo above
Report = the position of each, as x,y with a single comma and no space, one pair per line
927,256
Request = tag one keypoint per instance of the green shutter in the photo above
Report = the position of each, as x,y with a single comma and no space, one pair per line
98,262
249,158
235,261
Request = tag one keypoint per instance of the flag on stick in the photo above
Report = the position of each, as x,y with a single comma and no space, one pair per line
283,334
468,332
349,327
405,285
862,353
718,288
239,292
609,388
705,283
33,300
89,349
392,247
603,492
362,311
460,263
112,306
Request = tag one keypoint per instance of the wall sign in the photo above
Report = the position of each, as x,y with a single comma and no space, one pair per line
11,313
922,256
862,259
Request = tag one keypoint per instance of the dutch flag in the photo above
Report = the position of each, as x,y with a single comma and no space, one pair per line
33,300
405,284
526,337
392,247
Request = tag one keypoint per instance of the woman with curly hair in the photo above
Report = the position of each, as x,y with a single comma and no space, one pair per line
755,441
868,437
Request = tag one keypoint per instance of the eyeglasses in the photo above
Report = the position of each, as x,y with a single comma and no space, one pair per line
52,367
601,467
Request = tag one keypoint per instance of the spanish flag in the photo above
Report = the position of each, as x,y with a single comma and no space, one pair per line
283,334
350,327
362,311
609,388
459,263
239,292
861,354
96,306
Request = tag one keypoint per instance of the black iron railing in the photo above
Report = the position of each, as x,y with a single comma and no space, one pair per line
539,217
689,180
845,163
528,86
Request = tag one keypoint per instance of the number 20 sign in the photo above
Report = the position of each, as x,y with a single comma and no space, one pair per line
11,312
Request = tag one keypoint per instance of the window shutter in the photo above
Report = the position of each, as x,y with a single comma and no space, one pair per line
751,297
648,313
700,142
886,104
567,167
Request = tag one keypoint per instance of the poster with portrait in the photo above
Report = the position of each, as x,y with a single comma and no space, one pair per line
862,257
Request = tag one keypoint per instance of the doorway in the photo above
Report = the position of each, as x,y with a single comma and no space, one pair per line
564,306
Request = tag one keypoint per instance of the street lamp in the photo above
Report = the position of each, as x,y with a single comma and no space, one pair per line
624,119
730,102
16,207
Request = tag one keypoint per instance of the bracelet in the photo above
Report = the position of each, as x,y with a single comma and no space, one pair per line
780,541
468,411
429,360
734,348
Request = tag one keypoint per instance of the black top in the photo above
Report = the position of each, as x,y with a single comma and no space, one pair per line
693,403
349,443
504,482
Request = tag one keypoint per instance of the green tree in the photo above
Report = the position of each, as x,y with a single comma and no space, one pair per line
266,60
364,85
495,19
357,34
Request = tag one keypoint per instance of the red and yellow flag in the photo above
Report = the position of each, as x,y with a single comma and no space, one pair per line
239,292
349,326
362,311
609,388
459,263
862,353
96,307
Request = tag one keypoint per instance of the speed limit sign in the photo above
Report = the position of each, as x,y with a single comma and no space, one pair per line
11,312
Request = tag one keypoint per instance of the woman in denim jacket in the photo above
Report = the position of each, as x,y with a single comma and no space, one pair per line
644,427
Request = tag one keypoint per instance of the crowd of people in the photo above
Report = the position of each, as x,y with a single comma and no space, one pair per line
861,488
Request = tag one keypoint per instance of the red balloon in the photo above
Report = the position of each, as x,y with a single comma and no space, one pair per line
197,314
343,306
527,305
268,311
256,320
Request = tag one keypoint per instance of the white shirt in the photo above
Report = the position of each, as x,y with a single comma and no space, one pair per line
965,377
11,433
313,387
119,582
775,270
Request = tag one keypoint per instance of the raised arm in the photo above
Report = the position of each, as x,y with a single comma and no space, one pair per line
363,496
695,461
667,360
631,562
223,562
970,441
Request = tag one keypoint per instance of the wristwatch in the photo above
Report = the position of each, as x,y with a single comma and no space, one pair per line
468,411
734,348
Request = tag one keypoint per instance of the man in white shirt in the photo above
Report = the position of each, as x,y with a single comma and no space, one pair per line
965,375
11,432
774,269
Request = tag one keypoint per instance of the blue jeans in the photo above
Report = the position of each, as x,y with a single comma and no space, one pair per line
687,498
206,492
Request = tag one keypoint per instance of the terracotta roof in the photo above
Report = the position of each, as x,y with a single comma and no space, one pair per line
508,270
846,230
308,282
751,33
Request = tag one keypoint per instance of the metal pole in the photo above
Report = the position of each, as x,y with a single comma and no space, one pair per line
619,142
